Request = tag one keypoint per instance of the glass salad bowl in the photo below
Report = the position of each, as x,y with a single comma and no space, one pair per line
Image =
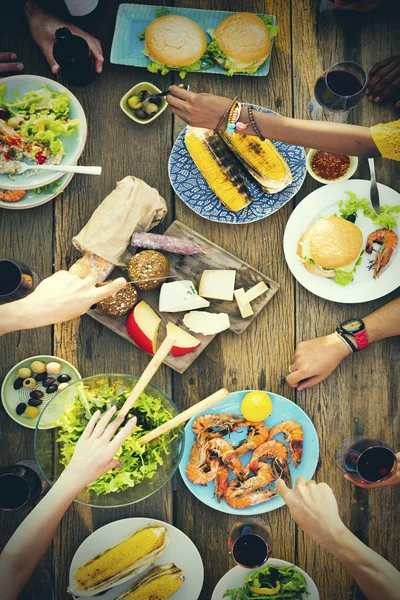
145,468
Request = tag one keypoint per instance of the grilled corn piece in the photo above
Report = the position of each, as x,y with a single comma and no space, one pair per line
159,584
261,159
123,561
219,167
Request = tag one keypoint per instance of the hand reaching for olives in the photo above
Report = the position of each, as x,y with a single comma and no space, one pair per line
61,297
95,450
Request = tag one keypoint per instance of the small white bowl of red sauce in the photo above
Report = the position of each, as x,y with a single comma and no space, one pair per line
330,167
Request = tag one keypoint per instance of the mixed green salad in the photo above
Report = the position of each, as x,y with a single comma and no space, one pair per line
38,119
271,582
138,462
215,51
388,214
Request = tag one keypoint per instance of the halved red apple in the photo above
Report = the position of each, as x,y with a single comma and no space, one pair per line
185,342
142,325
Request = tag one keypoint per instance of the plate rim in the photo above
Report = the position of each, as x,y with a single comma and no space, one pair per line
288,233
83,124
147,520
181,136
225,508
277,562
17,206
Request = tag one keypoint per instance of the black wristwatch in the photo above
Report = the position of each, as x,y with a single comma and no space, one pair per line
356,329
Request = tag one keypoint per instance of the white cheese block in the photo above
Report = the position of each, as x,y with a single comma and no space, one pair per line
178,296
244,307
255,292
218,284
206,323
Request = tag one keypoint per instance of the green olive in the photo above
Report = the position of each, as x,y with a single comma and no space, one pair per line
151,109
134,102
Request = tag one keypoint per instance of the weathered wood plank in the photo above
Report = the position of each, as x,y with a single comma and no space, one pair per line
259,358
358,397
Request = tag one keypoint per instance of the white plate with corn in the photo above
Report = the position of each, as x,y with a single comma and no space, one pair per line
234,179
135,558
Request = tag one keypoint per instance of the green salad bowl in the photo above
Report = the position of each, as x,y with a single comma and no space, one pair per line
143,471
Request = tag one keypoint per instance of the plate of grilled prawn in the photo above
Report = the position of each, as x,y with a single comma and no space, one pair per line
232,464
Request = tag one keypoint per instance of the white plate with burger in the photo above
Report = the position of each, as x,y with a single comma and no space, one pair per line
342,251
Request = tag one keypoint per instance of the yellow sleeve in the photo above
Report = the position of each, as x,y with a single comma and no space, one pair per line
387,139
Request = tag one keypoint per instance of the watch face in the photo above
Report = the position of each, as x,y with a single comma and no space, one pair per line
352,325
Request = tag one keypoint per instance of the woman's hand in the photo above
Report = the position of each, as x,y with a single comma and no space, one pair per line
95,450
314,360
43,27
314,508
62,297
7,62
197,110
384,80
393,480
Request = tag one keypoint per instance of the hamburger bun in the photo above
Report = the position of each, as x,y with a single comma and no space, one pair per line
333,243
245,40
175,41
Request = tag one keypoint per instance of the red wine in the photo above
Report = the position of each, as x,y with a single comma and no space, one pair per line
343,83
10,277
14,491
250,550
375,464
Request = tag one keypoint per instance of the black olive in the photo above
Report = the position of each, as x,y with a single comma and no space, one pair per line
18,383
36,394
63,378
155,100
4,113
51,389
41,376
35,401
20,408
352,218
48,382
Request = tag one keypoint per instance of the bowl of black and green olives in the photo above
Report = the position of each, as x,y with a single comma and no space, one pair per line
142,104
32,383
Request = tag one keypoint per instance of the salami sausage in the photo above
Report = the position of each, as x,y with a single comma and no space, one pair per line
154,241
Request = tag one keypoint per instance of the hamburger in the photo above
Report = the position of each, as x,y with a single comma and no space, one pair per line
332,247
174,42
242,42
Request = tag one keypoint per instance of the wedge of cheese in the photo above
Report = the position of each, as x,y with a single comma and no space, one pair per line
179,296
218,284
206,323
243,306
256,291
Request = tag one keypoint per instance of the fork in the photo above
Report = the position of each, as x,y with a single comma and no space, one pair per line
145,95
22,167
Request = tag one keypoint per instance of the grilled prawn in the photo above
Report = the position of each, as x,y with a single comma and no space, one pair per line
388,241
294,435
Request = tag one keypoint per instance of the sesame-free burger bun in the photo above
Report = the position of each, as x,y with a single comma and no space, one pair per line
175,41
332,243
244,38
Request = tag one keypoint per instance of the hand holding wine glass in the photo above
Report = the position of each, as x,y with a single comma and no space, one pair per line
393,480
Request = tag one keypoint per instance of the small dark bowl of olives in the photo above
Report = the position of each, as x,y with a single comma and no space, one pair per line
146,111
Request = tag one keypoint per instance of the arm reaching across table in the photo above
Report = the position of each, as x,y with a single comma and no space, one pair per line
92,458
314,509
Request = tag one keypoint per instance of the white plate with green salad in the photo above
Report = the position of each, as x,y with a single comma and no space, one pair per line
43,122
350,200
289,581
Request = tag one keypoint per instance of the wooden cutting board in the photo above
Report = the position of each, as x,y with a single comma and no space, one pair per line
191,268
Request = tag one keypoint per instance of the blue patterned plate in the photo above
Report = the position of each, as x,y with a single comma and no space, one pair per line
191,187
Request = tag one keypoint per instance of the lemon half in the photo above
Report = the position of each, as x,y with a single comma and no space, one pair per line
256,406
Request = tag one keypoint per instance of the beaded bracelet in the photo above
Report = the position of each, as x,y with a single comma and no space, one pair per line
222,119
254,125
233,116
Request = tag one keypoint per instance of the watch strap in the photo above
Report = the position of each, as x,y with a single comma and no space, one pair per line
361,338
346,340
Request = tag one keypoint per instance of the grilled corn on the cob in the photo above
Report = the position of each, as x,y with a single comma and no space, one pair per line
219,167
159,584
261,159
126,559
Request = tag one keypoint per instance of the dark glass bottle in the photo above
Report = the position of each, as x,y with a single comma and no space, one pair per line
73,55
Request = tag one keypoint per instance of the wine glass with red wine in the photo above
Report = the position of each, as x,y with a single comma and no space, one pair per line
250,543
366,460
337,91
16,280
20,486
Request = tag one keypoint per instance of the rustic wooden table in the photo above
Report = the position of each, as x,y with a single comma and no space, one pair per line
360,397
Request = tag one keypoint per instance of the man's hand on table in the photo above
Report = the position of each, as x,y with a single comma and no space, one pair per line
384,81
314,360
61,297
43,27
8,62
